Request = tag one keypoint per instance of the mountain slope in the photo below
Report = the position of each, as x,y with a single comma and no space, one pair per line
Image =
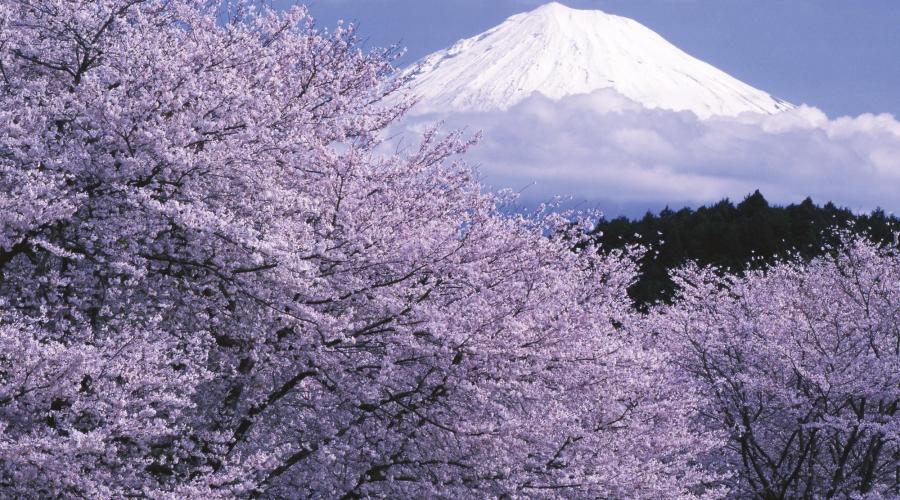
559,51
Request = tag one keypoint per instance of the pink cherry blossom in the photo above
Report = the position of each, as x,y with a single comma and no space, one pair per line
801,367
213,284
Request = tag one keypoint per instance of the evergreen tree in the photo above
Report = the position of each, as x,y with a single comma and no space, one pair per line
751,234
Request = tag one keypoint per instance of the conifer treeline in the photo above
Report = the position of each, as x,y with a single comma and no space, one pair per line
751,233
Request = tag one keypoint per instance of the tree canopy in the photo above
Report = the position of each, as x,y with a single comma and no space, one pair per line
212,284
215,283
752,234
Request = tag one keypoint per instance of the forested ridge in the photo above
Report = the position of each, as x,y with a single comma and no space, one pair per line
750,234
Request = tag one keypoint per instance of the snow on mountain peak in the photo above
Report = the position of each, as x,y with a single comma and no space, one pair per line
552,7
558,51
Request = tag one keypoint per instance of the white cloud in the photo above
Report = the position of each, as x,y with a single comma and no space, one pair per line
613,153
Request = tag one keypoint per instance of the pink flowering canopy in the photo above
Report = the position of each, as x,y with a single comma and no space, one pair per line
801,368
216,283
212,284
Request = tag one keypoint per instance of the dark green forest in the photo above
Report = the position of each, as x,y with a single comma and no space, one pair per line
751,234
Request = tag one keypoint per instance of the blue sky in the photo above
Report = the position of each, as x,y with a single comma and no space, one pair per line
840,56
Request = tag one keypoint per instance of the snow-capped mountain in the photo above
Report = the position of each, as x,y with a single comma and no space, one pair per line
560,51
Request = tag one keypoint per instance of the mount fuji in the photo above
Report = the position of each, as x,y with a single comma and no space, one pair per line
559,51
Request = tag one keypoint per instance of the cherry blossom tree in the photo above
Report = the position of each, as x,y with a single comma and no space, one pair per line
801,365
213,284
